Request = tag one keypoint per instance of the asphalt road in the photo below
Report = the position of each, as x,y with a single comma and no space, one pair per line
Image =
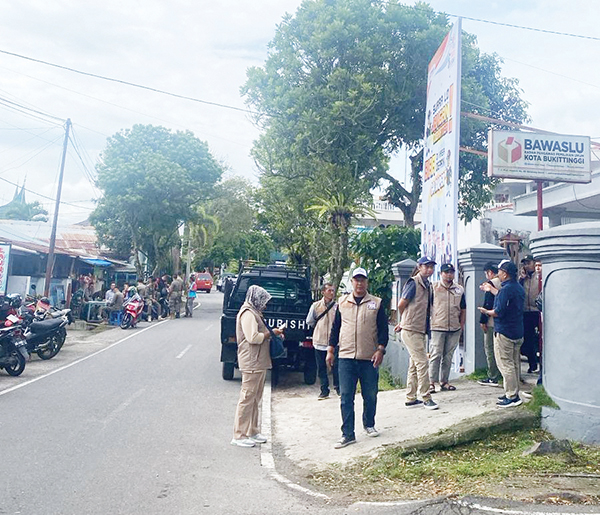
142,427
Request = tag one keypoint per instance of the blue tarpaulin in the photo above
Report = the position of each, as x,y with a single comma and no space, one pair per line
96,262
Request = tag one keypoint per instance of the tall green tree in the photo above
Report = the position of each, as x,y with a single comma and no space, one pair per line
379,249
344,87
151,179
240,236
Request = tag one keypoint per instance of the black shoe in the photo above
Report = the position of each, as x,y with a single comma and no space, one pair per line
337,390
488,382
323,395
509,403
414,404
344,441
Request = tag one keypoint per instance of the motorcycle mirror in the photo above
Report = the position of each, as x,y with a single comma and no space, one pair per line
33,287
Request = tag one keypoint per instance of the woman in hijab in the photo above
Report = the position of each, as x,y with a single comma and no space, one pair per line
254,360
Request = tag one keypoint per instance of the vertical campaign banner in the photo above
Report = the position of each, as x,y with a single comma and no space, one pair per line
440,156
4,257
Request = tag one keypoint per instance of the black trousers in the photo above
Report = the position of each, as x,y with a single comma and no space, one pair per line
531,342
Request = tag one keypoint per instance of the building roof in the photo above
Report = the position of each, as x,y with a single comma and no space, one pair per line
72,240
568,200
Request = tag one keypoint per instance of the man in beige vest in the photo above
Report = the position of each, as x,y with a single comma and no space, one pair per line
254,360
320,316
448,314
487,323
360,331
414,308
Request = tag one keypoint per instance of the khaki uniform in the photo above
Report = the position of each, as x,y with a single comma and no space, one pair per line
413,334
445,329
175,291
358,332
493,371
254,360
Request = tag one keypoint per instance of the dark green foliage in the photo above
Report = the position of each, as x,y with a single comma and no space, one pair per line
379,249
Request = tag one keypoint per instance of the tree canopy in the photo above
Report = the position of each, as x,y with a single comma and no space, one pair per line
344,87
151,179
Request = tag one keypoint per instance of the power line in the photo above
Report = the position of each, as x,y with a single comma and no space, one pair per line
45,196
119,81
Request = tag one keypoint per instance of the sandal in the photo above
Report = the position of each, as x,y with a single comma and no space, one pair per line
447,387
431,388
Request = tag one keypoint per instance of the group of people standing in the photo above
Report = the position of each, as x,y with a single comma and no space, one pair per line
162,296
350,338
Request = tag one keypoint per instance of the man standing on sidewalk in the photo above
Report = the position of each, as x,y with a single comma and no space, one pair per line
321,317
508,336
487,323
360,330
531,316
448,317
414,308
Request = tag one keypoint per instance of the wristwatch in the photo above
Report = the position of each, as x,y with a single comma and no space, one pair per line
381,349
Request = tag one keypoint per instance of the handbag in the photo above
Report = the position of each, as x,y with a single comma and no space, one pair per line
277,349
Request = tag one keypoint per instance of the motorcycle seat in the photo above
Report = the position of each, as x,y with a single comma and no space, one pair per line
45,325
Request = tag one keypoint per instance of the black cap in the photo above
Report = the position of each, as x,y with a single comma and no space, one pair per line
490,265
447,267
527,258
510,268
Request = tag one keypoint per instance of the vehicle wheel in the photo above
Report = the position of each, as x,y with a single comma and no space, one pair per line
17,364
207,291
126,321
310,374
274,375
228,369
51,349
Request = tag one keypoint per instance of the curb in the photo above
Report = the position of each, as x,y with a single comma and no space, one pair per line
493,421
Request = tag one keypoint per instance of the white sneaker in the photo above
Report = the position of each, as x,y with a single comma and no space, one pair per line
371,431
258,438
526,395
243,442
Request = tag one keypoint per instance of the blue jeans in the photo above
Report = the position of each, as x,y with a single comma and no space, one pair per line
320,356
351,371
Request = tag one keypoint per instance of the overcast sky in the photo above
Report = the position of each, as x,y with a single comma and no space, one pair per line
202,50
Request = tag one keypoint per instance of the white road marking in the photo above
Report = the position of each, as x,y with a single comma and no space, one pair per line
181,354
209,327
21,385
490,509
266,449
122,407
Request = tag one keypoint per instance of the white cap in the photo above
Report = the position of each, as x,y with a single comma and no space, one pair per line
359,271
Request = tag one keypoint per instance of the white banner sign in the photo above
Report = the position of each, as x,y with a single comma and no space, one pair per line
440,158
4,258
540,157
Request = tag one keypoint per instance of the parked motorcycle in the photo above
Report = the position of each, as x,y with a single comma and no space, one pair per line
44,336
13,351
132,312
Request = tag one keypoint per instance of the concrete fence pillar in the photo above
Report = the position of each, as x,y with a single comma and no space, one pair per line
570,255
471,262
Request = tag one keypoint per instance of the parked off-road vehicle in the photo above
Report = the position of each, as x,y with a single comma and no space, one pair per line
291,299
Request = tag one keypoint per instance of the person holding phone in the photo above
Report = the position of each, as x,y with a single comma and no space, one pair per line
254,360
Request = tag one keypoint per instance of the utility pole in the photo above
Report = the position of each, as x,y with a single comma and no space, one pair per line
50,263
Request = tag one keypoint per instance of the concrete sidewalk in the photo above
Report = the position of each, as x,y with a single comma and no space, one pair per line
306,429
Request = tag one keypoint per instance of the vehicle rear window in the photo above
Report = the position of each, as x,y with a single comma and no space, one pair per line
203,277
287,293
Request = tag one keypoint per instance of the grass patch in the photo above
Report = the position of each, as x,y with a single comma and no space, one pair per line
540,398
479,375
387,381
473,469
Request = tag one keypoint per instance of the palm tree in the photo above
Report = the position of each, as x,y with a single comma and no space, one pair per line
338,209
199,232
